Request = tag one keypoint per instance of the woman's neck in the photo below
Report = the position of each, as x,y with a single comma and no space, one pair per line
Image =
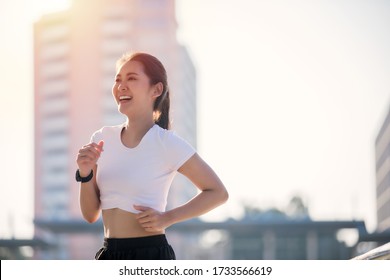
135,130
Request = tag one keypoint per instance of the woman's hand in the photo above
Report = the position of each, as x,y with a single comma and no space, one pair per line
88,156
151,220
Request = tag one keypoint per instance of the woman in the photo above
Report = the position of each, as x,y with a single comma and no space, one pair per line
126,170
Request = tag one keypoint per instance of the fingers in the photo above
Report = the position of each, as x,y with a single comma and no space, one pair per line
141,208
97,147
89,154
91,150
150,219
145,213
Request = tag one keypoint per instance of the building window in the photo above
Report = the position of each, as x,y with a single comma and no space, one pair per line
54,51
58,123
54,33
54,69
116,27
53,87
115,46
55,203
55,107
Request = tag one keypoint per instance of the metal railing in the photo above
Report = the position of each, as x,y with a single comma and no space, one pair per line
379,253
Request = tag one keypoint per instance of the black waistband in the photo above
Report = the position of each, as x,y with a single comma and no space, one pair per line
135,242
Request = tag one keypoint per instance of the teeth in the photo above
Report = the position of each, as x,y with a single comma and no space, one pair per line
124,97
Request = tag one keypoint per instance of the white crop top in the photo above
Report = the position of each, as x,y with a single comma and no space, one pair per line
140,175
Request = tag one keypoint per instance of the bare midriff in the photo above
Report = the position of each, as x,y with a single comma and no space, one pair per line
119,223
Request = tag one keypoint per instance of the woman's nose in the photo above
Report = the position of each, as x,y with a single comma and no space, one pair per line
121,87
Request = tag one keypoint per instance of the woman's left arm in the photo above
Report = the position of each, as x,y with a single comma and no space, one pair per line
212,194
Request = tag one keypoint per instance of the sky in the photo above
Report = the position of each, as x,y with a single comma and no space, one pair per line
291,96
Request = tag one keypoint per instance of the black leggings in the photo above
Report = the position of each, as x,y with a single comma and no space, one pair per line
154,247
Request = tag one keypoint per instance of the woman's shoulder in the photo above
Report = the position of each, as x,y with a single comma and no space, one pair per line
164,134
177,149
170,137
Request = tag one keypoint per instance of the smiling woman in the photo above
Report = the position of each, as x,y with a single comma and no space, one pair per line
126,170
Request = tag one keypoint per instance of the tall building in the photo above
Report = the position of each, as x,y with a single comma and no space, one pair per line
382,148
74,62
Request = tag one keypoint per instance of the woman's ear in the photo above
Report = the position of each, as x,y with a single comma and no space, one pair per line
158,89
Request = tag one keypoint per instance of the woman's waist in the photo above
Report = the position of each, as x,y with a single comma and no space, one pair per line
119,223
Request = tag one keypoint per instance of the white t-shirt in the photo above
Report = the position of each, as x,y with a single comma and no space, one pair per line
141,175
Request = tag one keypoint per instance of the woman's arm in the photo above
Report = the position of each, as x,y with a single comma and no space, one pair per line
89,191
90,199
212,194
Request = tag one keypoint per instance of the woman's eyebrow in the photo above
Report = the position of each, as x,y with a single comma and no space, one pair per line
131,73
127,74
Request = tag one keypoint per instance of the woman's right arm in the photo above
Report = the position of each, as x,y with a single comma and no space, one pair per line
89,191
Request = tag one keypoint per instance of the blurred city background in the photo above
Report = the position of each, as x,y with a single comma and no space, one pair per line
289,102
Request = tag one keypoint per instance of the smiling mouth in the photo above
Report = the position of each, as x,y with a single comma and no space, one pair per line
124,98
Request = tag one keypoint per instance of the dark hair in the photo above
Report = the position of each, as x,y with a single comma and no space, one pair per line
156,72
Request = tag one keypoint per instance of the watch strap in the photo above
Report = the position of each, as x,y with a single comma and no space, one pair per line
83,179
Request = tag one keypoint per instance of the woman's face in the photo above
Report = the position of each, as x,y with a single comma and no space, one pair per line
132,90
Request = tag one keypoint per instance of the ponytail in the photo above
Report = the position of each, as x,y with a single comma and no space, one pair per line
161,110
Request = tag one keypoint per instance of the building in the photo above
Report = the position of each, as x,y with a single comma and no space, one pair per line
382,149
74,63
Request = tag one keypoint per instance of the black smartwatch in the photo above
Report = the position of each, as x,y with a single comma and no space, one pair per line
83,179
